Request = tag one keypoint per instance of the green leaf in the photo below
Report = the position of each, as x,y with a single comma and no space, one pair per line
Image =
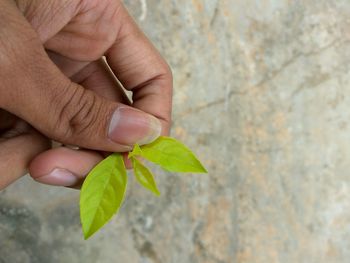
171,155
102,193
135,152
144,176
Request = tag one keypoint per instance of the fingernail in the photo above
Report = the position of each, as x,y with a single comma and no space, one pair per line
59,177
129,126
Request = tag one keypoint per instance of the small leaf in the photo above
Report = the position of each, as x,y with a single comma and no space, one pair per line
144,176
102,193
135,152
171,155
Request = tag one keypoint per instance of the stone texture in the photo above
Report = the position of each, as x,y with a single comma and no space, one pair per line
261,94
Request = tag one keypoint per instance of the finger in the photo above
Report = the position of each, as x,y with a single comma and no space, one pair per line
95,76
98,77
68,66
17,152
141,69
63,166
61,109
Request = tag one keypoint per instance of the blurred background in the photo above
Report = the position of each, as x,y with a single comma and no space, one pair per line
262,96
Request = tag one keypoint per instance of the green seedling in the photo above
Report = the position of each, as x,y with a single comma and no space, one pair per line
104,188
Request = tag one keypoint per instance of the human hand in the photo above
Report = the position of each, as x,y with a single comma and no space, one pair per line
131,56
64,166
20,143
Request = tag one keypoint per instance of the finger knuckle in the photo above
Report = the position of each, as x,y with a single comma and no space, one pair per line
78,115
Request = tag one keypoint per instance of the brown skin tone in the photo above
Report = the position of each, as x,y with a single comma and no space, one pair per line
70,95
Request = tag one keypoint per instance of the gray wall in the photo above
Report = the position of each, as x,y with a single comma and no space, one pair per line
262,96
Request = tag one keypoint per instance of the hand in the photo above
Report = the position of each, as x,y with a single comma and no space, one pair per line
60,108
63,166
20,143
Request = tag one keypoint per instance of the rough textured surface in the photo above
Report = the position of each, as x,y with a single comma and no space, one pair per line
261,94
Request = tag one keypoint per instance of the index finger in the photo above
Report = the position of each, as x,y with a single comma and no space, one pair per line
141,69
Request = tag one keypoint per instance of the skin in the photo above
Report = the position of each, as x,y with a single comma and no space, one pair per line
54,80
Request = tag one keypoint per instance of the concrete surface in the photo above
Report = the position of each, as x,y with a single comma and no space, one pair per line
262,96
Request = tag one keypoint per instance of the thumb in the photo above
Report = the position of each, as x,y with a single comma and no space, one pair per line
70,114
35,90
